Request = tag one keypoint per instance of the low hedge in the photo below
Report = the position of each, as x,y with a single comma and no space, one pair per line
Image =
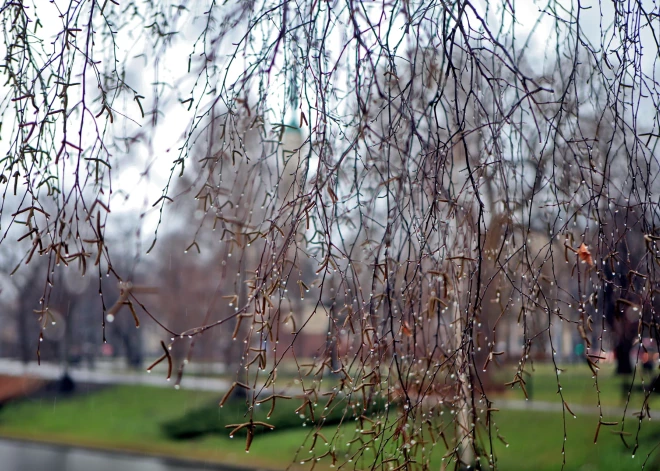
212,419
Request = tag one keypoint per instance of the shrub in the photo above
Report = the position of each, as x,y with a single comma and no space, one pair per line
287,413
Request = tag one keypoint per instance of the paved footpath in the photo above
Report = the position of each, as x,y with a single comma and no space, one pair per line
105,376
577,409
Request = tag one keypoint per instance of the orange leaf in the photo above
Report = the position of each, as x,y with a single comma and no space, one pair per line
406,329
585,255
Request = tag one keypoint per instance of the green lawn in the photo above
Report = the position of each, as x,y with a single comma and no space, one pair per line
130,418
535,443
578,385
536,438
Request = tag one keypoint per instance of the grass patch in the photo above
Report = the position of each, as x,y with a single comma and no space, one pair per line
536,438
535,442
579,386
131,418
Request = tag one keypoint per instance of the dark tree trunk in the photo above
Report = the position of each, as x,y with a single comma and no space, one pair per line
622,352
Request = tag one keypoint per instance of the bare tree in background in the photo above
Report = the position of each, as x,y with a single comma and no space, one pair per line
453,171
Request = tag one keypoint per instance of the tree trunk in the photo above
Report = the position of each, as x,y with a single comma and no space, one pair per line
463,435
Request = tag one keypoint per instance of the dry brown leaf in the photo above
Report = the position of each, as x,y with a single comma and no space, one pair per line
585,255
333,196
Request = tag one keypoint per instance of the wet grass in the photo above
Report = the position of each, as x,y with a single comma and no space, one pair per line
579,386
535,442
130,418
